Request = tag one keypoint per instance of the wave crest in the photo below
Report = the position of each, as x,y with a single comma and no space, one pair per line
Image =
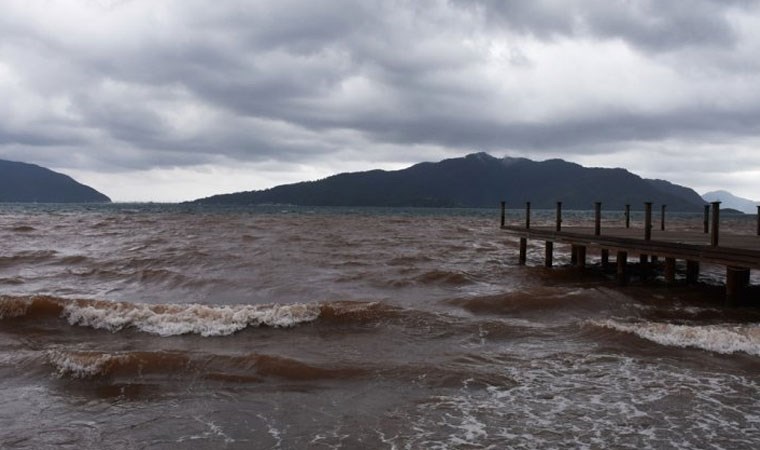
161,320
724,338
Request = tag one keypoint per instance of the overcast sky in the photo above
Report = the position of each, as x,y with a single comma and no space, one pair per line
168,100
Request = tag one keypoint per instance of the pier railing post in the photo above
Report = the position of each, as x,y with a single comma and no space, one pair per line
662,218
715,223
648,221
628,216
527,214
706,221
597,218
559,217
503,213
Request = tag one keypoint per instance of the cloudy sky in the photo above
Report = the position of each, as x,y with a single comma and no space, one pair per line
168,100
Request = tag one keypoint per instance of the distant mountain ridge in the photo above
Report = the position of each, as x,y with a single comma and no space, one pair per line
29,183
477,180
729,200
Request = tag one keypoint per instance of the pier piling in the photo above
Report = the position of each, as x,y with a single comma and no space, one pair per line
503,213
559,217
706,221
648,221
662,218
628,216
622,267
527,214
670,270
715,223
597,218
692,272
549,254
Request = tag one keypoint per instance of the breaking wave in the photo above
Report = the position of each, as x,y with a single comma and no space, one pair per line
161,320
723,338
193,318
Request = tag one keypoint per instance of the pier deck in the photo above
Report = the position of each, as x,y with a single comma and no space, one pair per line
739,253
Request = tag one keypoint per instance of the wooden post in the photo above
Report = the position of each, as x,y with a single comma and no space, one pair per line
737,278
573,254
605,259
503,213
581,262
758,220
559,217
670,270
527,214
706,221
597,218
643,266
628,216
648,221
662,218
715,223
549,254
523,251
622,267
692,271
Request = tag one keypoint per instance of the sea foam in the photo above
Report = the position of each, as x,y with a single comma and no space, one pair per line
719,338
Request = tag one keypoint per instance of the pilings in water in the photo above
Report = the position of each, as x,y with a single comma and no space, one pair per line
660,251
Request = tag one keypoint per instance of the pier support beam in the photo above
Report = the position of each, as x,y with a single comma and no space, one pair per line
692,272
670,270
737,279
523,251
581,257
628,216
605,259
662,218
549,254
559,216
706,220
573,254
503,213
648,221
622,267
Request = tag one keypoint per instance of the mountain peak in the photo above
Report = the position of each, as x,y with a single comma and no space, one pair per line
729,200
477,180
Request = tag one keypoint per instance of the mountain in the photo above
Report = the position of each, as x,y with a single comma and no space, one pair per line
729,200
477,180
29,183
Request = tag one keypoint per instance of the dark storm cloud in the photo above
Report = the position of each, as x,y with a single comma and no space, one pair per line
132,85
649,24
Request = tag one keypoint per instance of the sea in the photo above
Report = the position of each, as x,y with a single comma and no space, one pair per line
148,326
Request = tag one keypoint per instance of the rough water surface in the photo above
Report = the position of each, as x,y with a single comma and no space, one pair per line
158,327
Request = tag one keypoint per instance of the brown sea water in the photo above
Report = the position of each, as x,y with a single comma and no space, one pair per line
150,326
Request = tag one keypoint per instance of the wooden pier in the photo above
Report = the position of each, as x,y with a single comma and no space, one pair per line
738,253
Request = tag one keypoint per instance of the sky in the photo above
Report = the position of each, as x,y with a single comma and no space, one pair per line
171,100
